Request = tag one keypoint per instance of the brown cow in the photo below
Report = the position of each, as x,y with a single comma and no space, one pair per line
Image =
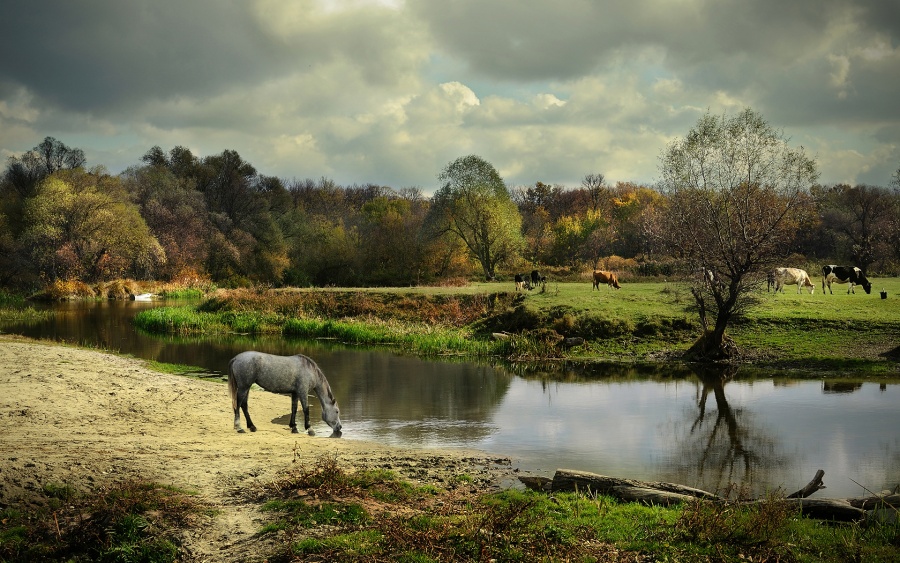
609,278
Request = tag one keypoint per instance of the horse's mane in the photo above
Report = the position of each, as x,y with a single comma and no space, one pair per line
323,383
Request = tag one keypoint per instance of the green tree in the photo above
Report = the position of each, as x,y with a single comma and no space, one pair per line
735,189
473,205
577,238
82,225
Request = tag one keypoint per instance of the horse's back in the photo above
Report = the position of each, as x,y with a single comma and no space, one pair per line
279,374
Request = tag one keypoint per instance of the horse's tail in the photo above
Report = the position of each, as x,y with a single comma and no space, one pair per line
232,385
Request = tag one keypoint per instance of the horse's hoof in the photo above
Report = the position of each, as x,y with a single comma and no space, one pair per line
294,431
252,429
241,431
311,432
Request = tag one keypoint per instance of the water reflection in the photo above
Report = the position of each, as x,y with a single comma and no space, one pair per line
727,445
653,422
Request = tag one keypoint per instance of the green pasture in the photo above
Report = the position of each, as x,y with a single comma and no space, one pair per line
837,330
642,321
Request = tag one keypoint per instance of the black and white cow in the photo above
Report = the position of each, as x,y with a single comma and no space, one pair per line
521,283
844,274
537,278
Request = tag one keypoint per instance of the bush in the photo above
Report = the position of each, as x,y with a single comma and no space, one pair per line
595,327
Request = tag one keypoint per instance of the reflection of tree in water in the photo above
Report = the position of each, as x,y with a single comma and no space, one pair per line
722,447
840,386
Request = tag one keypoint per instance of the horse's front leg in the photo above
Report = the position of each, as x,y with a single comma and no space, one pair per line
293,423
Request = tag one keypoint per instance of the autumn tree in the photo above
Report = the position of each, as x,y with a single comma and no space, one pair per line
860,218
82,225
175,213
734,186
536,204
473,205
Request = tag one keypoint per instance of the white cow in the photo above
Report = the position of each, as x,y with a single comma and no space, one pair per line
792,276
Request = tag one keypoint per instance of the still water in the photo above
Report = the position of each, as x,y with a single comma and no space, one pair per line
664,424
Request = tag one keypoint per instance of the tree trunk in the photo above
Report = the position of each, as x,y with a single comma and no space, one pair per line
571,480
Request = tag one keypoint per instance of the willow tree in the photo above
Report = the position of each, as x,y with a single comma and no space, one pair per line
473,205
736,193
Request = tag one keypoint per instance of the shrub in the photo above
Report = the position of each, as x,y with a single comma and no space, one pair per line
593,326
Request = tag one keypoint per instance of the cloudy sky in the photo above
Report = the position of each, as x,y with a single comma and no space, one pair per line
391,91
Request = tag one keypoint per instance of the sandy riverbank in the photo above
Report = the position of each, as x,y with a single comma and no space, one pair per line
87,418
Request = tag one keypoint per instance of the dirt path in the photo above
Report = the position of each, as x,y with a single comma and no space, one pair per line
85,418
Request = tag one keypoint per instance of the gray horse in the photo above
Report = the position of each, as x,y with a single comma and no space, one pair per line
294,375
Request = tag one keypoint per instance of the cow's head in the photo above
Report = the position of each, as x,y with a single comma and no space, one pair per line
866,285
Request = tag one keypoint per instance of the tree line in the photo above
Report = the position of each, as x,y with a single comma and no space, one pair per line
176,215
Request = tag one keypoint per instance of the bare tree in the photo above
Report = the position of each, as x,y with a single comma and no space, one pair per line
735,189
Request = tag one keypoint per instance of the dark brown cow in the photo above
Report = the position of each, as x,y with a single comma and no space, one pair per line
609,278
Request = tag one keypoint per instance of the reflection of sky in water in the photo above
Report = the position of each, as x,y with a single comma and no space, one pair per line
643,429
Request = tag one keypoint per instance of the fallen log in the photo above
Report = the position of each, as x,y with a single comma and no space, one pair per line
667,494
653,497
838,510
571,480
877,501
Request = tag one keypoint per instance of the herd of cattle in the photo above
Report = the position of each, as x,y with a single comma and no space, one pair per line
780,277
777,278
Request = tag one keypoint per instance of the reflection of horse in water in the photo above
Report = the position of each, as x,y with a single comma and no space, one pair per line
294,375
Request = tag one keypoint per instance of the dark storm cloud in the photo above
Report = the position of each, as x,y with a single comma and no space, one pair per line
392,90
96,54
542,40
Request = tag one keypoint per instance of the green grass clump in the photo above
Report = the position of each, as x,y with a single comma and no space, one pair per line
23,315
182,293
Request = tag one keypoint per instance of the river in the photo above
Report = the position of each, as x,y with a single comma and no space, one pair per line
662,424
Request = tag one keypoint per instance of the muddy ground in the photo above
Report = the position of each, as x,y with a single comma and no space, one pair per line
85,418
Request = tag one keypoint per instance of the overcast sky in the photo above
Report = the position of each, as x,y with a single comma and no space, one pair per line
390,91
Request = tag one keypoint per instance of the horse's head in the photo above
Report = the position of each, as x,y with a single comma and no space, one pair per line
331,413
332,417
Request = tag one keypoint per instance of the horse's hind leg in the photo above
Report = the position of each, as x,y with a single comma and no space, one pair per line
242,406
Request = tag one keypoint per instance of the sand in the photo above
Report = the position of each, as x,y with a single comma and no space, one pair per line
85,418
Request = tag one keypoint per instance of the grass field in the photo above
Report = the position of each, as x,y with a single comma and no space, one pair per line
642,321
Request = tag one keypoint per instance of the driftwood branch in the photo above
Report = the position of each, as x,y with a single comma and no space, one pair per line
666,494
810,487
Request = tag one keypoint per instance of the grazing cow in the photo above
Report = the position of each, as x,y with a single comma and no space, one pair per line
609,278
844,274
521,284
791,276
537,278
